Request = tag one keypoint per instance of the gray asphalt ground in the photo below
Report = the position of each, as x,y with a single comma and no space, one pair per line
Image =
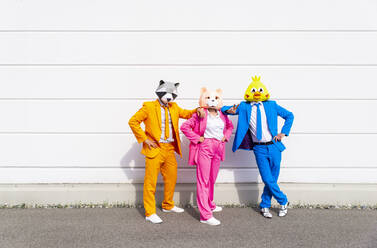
241,227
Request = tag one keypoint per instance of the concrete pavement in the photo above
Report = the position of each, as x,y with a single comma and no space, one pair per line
241,227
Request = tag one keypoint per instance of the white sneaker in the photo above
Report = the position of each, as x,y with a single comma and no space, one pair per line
174,210
154,219
283,210
266,212
211,221
217,209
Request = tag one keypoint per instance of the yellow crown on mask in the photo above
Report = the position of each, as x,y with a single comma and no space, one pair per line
255,79
257,91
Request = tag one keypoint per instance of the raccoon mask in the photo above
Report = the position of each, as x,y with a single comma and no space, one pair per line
167,91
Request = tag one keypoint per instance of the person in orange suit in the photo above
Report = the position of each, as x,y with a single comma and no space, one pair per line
160,140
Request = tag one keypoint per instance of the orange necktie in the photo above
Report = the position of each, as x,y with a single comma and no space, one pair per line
166,123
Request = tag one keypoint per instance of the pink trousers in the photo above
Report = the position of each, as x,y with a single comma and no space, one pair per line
208,164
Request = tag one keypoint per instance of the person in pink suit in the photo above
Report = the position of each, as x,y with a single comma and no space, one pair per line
207,137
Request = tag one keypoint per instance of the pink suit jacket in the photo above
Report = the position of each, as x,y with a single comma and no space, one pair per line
195,127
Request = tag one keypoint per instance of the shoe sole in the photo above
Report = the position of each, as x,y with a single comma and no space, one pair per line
210,224
153,222
267,217
169,211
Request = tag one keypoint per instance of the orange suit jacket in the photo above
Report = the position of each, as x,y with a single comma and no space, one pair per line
150,114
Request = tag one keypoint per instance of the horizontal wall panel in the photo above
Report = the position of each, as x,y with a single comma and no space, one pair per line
196,14
73,72
164,48
292,82
312,116
116,150
118,175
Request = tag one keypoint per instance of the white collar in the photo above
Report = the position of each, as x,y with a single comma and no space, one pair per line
214,116
162,104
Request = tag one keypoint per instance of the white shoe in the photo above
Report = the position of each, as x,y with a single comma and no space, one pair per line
174,210
217,209
266,212
154,219
211,221
283,210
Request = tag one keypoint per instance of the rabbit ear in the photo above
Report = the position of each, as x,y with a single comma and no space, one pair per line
202,90
219,91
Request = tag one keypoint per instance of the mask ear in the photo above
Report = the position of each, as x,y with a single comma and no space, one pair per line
202,100
162,82
202,90
177,84
219,91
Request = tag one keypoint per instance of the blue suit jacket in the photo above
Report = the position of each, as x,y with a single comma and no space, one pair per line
243,138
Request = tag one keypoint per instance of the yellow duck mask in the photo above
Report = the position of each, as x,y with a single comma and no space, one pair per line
256,92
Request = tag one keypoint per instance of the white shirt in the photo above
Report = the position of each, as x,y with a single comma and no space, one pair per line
214,128
171,137
266,135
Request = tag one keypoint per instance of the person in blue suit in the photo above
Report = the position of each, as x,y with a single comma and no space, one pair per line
257,130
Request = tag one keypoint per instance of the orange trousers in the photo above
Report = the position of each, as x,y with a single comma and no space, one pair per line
165,163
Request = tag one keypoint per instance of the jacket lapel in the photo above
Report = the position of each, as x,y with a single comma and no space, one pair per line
174,117
248,112
222,117
203,122
266,107
158,112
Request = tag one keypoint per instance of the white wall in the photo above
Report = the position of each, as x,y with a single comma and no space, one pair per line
73,72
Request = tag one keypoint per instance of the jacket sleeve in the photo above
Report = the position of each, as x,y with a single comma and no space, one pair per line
228,128
135,121
287,116
184,113
225,108
187,129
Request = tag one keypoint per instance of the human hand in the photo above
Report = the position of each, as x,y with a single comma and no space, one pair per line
279,137
233,109
224,139
200,112
150,143
201,139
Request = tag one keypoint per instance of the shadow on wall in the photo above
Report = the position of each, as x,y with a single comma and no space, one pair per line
133,164
239,167
245,173
187,193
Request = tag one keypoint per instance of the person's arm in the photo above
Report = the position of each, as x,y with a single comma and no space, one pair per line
187,129
288,120
135,121
186,114
230,110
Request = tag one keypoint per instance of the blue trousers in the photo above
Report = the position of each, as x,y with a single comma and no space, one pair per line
268,159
